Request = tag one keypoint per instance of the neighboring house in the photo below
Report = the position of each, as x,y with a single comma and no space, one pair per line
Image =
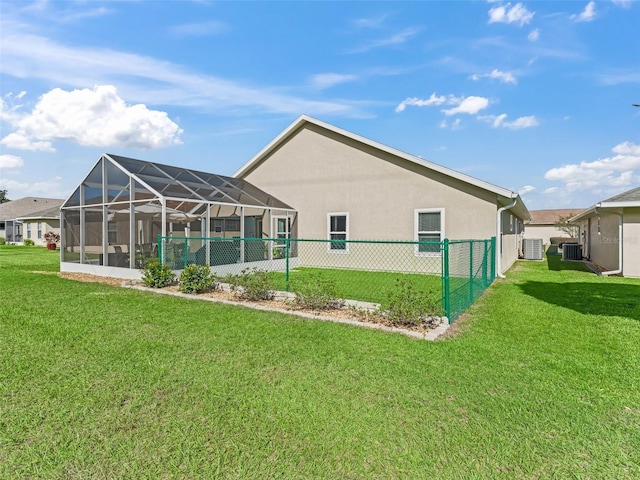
11,213
542,224
35,225
349,187
610,233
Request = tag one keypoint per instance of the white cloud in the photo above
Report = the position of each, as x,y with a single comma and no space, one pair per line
147,80
534,35
622,3
397,39
620,170
327,80
418,102
508,14
199,29
526,189
11,161
550,190
91,117
587,15
504,77
499,121
470,105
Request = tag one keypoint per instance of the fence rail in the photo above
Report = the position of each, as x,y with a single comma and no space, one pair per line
458,271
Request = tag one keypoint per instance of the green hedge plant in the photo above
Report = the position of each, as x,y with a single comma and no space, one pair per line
197,279
316,293
252,284
407,305
28,242
157,275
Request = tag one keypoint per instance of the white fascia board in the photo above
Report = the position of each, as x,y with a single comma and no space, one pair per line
603,205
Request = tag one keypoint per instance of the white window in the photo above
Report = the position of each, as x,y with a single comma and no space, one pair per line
338,229
112,232
429,227
28,230
39,229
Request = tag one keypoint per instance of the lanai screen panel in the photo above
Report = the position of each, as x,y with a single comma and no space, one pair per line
115,215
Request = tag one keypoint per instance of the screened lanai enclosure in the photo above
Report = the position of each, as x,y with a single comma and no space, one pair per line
127,211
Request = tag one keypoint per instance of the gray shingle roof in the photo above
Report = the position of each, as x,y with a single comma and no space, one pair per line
24,207
632,195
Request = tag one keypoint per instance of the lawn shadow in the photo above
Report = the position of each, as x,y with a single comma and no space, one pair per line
610,299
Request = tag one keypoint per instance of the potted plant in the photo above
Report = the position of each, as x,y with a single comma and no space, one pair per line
52,239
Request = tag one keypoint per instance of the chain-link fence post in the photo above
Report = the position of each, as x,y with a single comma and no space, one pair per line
493,260
286,254
446,299
485,263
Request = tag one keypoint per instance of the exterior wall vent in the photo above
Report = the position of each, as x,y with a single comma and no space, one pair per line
571,251
532,248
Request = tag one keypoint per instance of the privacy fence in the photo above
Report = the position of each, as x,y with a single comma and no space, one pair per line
457,272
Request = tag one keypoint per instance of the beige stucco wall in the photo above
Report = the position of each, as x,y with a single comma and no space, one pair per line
320,172
602,248
545,232
631,244
47,226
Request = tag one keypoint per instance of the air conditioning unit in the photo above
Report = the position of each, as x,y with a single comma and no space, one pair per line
571,251
532,248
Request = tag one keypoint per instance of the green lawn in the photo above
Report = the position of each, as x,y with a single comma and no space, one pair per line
360,284
103,382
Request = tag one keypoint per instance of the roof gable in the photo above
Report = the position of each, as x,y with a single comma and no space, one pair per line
504,196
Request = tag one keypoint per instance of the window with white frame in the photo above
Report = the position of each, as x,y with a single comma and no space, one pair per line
338,229
39,229
429,225
112,232
28,230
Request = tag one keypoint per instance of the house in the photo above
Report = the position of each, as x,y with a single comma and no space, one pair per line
126,211
346,186
40,213
610,233
542,224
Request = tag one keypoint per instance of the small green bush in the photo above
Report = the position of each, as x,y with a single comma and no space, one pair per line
316,293
3,241
252,284
406,305
157,275
197,279
27,242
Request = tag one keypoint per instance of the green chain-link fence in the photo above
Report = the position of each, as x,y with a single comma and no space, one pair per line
457,272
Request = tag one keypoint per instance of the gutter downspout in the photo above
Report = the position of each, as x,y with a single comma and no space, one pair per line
499,237
620,218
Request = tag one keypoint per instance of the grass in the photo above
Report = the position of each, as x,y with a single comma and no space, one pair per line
104,382
359,284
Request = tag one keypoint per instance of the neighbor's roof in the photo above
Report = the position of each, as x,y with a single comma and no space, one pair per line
506,197
630,198
26,206
550,217
46,214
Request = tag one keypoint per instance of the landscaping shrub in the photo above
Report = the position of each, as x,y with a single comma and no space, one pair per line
28,242
406,305
157,275
252,284
197,279
316,293
3,241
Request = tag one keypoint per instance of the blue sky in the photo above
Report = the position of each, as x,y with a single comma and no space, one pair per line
535,97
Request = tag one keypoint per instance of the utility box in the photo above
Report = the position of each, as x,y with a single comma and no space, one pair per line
571,251
532,248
